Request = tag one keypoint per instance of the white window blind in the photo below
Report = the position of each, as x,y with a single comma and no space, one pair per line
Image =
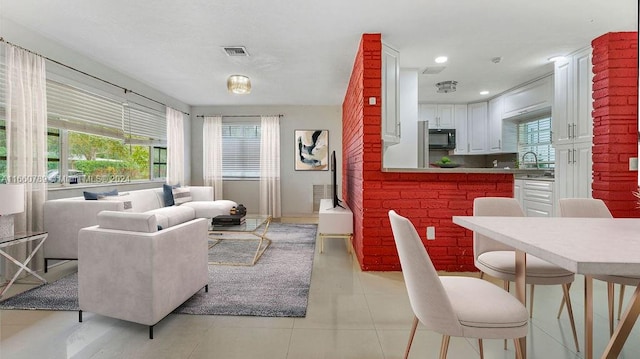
535,136
79,110
240,150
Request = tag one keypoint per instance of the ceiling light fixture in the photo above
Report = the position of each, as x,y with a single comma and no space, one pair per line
446,86
441,59
484,92
557,59
239,84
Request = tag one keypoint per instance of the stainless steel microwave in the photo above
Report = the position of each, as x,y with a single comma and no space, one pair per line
442,139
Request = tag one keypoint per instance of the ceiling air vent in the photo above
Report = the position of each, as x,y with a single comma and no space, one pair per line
432,70
236,51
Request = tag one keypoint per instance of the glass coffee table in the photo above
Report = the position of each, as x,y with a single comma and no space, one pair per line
254,229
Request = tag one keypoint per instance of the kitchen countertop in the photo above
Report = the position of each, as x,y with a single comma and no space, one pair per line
518,172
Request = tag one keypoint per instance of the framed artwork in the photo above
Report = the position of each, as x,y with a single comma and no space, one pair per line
311,150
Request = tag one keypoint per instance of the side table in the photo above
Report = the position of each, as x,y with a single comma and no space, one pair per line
335,222
17,239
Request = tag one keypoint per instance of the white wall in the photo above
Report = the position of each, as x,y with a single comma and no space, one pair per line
297,197
405,153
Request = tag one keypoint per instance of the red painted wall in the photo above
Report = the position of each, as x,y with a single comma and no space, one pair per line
427,199
615,121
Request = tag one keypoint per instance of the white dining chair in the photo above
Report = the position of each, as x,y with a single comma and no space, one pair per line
452,305
498,260
596,208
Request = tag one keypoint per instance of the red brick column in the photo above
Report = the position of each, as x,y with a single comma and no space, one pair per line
615,121
428,199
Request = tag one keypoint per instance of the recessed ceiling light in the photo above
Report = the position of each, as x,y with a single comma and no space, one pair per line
557,59
484,92
441,59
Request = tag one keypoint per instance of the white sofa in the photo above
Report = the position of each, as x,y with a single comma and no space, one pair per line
63,218
130,270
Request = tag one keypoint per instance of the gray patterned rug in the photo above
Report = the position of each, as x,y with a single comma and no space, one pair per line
276,286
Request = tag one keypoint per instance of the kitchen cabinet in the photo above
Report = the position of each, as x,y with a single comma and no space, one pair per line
573,171
572,99
517,190
503,135
460,114
391,130
532,97
438,115
537,198
572,125
477,128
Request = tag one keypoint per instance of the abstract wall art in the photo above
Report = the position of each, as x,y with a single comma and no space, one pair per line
311,150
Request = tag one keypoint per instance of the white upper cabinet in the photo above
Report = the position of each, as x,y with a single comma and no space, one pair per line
572,99
391,130
531,97
439,116
462,142
477,127
503,135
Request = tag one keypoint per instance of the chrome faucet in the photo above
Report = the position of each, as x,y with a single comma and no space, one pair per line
535,157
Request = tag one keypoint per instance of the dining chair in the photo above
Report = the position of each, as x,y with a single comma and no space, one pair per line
596,208
453,305
498,260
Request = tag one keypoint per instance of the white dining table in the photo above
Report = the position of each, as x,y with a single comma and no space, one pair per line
588,246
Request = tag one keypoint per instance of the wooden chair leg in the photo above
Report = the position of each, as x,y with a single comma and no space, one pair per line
562,302
481,275
444,347
505,285
531,288
480,348
610,294
620,300
567,299
411,335
561,307
516,342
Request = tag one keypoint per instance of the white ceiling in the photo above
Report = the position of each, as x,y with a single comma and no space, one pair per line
302,52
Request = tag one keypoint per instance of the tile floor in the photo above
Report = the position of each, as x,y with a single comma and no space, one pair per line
351,314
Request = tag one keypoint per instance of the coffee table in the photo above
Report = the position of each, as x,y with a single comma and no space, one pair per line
255,227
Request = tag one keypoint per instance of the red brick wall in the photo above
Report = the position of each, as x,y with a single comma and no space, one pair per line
615,121
427,199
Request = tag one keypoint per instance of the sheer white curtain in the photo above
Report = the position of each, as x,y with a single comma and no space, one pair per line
270,166
175,147
26,128
212,156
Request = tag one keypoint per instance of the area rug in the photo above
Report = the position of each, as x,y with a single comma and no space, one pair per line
276,286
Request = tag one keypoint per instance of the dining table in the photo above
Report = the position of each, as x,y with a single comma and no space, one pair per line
587,246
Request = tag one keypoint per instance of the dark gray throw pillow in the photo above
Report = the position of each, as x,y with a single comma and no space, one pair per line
168,194
93,196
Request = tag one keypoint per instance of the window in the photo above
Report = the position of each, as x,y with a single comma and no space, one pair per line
241,150
535,136
103,139
159,162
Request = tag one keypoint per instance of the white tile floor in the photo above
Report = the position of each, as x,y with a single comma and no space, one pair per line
351,314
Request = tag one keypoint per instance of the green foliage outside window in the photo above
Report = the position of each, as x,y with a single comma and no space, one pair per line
106,159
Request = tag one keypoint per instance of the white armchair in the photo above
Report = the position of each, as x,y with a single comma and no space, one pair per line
130,270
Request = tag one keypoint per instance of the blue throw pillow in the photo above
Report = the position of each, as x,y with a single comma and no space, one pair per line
168,194
93,196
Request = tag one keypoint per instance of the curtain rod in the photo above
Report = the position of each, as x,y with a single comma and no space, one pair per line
126,90
228,116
